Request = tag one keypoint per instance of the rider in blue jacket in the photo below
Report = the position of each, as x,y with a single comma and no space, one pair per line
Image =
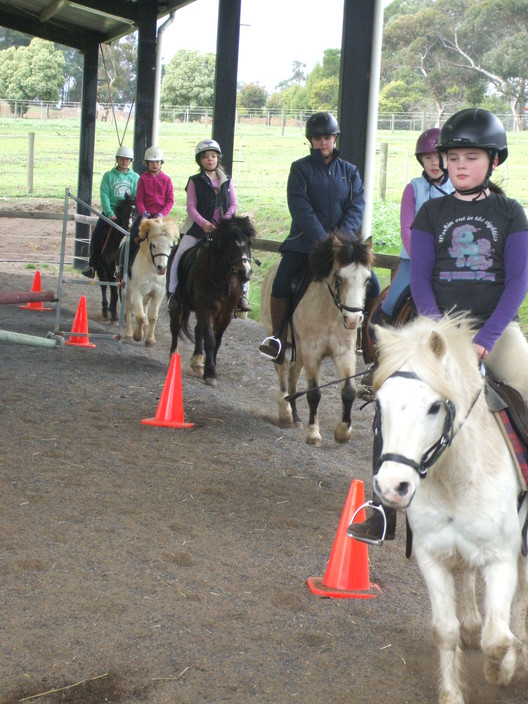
325,193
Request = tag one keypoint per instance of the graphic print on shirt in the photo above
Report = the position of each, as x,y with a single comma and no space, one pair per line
471,249
120,189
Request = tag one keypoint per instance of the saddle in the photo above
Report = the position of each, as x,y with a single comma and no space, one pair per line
298,288
186,267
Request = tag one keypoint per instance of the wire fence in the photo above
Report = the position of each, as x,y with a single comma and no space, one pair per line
42,110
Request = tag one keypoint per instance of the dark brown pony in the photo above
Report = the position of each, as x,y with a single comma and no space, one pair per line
109,257
210,279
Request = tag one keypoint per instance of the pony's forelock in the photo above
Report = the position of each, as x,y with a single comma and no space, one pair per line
409,347
339,250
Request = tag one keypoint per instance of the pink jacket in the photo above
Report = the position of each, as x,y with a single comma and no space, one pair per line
154,194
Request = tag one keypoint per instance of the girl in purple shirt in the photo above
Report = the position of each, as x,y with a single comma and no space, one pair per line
211,197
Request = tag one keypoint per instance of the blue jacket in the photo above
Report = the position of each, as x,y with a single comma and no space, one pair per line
322,198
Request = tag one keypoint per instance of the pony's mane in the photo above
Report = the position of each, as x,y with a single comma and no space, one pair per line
234,227
337,248
415,347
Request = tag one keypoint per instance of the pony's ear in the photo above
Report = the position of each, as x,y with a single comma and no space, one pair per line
437,344
144,228
368,242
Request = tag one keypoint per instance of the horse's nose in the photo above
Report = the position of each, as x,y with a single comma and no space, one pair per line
352,321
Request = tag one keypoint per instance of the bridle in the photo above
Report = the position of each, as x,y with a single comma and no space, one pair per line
336,297
231,262
431,455
153,257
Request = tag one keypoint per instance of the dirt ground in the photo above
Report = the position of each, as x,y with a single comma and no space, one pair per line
163,566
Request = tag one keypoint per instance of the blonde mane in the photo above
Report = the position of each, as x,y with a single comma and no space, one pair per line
439,351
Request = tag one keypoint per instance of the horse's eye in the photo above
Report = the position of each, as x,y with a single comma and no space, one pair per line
435,408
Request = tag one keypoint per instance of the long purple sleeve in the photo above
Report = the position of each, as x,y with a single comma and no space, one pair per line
422,265
407,213
515,288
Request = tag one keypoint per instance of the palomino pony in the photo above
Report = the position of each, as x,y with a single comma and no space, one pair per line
433,415
109,257
210,279
146,284
325,324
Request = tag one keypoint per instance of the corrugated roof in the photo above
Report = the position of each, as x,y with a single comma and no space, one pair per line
77,23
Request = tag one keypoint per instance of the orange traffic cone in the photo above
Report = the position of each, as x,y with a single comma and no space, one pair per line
347,574
36,288
80,325
170,407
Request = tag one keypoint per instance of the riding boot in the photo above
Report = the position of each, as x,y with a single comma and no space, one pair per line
367,347
371,530
274,347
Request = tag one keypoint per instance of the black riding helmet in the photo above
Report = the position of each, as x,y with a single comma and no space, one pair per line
321,123
475,127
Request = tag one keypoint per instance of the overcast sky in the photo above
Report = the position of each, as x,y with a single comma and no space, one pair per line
274,34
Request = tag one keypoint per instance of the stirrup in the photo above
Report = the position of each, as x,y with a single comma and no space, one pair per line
366,539
267,355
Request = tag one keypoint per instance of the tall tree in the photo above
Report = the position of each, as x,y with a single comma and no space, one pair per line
33,72
189,79
252,96
459,48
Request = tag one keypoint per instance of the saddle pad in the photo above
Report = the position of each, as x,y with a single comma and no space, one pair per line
518,449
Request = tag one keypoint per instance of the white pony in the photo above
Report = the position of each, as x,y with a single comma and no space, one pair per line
463,511
145,287
325,324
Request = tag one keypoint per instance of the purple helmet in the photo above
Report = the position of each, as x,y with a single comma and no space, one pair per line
427,142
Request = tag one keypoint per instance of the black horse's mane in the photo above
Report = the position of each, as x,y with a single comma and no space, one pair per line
337,246
233,227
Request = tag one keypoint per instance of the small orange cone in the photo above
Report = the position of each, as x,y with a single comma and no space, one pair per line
36,288
347,574
80,325
170,407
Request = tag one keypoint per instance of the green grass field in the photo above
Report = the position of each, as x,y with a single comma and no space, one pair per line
261,162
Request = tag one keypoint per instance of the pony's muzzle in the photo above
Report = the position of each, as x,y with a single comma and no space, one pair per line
352,321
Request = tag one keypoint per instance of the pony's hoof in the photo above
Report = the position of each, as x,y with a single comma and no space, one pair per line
105,314
138,337
211,381
150,343
343,433
314,439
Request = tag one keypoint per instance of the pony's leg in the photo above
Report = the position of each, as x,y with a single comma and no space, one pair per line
175,326
498,642
520,608
139,303
153,309
343,431
113,304
209,349
294,372
104,302
446,629
197,361
313,435
470,618
128,313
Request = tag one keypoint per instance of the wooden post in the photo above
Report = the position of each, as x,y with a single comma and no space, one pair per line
30,161
382,188
283,121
